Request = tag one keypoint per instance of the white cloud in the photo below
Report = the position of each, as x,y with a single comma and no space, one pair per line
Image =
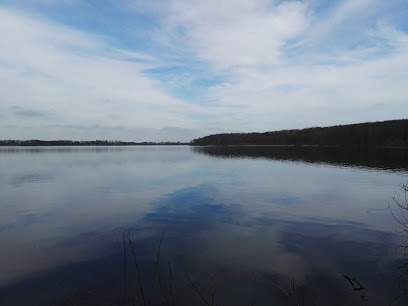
339,17
277,79
49,66
231,34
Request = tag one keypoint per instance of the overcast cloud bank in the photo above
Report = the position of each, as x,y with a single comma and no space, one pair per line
177,70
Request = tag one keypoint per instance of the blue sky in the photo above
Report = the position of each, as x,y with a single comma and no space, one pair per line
177,70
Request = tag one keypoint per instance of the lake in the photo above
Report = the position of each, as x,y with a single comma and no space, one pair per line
249,225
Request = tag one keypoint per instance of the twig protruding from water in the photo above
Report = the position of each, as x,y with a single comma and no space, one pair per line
196,290
137,270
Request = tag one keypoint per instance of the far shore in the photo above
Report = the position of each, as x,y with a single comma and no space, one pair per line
306,145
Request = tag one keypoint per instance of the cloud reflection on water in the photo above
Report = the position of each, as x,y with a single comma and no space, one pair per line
241,216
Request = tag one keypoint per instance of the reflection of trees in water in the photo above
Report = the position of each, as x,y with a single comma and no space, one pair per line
376,158
400,201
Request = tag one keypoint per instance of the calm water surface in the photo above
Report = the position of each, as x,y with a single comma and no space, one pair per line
253,219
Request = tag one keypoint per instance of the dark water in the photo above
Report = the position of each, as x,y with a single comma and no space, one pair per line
253,219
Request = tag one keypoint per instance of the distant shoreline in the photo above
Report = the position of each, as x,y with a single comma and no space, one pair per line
209,146
69,143
391,133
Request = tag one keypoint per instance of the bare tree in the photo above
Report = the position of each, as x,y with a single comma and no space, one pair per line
401,201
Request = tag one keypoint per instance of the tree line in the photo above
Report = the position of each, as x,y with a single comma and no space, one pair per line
36,142
374,134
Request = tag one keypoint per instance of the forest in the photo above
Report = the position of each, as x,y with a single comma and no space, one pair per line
392,133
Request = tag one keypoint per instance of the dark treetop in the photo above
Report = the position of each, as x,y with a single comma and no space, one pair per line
393,133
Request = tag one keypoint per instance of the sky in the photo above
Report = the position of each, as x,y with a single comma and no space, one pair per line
167,70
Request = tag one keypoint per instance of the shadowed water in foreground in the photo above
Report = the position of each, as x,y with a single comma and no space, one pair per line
254,221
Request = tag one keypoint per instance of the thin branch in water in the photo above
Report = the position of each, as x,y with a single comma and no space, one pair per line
213,288
162,288
354,283
155,268
398,220
315,301
125,234
137,270
196,290
292,291
174,283
284,292
171,290
400,296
